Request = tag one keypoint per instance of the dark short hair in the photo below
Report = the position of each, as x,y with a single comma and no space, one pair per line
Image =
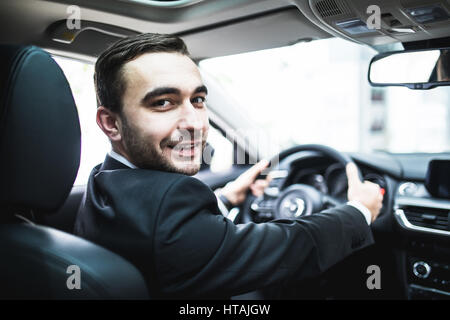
109,83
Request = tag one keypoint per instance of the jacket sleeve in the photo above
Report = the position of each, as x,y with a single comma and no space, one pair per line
199,253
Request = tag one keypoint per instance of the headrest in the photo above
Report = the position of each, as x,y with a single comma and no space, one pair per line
39,131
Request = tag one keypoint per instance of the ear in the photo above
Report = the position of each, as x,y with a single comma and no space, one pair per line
109,123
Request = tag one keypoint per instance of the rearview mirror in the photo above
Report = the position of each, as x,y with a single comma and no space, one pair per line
416,69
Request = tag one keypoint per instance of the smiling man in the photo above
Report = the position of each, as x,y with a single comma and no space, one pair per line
143,204
173,103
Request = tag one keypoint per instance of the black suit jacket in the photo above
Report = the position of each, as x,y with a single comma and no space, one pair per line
170,227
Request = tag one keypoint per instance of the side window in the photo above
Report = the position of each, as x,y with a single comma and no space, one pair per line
94,144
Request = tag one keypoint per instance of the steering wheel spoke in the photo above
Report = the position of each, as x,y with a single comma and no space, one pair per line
331,202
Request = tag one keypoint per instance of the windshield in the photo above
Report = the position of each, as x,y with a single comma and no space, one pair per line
318,92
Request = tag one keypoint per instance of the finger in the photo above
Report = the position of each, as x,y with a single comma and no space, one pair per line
352,175
370,183
256,191
255,170
260,183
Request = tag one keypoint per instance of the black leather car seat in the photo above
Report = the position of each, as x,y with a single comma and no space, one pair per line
39,159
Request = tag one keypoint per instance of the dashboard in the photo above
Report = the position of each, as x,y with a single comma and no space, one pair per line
412,231
413,223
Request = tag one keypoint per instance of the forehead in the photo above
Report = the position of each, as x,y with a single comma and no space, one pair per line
161,69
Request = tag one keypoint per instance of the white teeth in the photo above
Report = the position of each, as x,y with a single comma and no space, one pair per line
187,144
184,145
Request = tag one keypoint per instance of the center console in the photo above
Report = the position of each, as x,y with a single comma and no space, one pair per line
425,220
428,271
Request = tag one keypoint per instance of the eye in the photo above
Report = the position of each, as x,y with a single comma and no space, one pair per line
163,103
199,101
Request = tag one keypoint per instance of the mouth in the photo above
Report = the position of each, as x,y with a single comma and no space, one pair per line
185,149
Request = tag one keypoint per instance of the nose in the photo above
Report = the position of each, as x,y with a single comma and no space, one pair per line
191,117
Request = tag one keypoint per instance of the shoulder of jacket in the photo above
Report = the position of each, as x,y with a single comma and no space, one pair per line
162,179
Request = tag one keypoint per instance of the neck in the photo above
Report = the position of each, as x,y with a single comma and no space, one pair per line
122,158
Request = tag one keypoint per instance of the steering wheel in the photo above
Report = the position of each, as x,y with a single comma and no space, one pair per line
296,200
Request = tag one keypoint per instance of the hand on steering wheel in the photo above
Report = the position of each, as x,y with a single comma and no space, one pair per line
236,190
280,202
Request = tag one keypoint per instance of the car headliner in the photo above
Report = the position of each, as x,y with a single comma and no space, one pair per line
210,28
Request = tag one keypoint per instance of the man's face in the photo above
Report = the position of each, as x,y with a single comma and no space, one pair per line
164,117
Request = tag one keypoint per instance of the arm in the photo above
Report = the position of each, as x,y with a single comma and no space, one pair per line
199,253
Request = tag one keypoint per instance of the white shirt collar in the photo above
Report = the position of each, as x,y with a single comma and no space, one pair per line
121,159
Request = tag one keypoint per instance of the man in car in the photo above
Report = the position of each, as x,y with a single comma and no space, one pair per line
143,204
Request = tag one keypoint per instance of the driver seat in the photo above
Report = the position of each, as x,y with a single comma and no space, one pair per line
40,155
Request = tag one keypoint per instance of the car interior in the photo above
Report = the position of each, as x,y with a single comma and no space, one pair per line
400,45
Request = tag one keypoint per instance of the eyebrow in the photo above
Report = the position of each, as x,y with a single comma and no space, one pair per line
201,89
169,90
159,92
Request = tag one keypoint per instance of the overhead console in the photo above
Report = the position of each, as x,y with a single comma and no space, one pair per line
399,20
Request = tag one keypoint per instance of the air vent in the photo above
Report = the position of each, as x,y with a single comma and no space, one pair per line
330,8
428,217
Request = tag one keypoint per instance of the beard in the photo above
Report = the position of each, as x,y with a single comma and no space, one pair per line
146,155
